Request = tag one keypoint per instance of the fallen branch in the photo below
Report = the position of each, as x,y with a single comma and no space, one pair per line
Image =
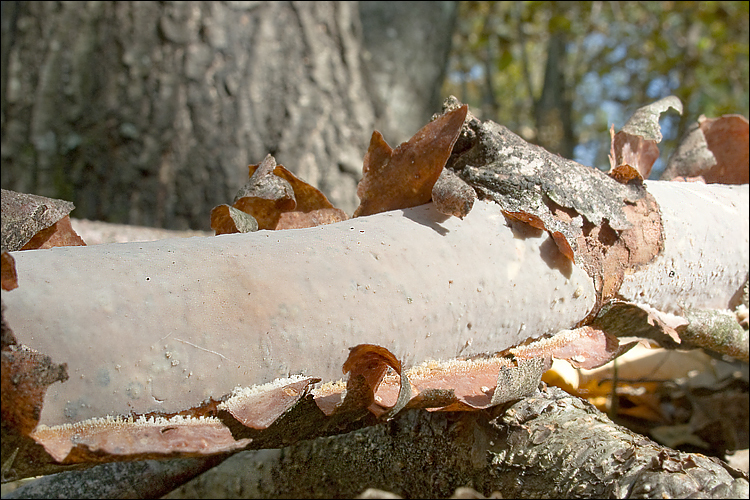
172,327
531,449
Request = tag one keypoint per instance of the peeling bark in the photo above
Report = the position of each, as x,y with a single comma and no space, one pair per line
410,280
531,449
185,321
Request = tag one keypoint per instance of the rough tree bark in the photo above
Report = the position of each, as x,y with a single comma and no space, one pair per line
148,113
530,449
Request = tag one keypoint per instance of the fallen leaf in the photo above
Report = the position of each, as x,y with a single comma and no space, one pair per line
404,177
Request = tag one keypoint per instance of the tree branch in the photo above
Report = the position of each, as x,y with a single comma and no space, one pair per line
550,445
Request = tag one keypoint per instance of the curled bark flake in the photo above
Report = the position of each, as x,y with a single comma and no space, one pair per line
26,375
522,177
516,383
608,255
453,385
527,218
563,245
645,120
258,407
266,195
584,347
9,275
607,228
274,198
634,148
716,330
625,173
372,362
229,220
452,195
318,217
30,221
156,437
625,319
715,149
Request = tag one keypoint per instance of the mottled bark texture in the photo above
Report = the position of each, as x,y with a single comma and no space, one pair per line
146,479
148,113
550,445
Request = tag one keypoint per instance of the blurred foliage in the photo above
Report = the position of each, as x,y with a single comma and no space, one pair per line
619,56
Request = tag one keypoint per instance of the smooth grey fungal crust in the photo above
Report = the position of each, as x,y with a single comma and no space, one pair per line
161,326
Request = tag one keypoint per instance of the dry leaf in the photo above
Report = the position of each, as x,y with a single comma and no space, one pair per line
404,177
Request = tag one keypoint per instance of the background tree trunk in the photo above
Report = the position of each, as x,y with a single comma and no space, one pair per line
552,111
406,48
148,113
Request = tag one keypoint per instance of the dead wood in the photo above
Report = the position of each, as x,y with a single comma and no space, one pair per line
550,445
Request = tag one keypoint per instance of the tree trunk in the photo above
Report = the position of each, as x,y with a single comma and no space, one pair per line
552,110
148,113
406,49
420,285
